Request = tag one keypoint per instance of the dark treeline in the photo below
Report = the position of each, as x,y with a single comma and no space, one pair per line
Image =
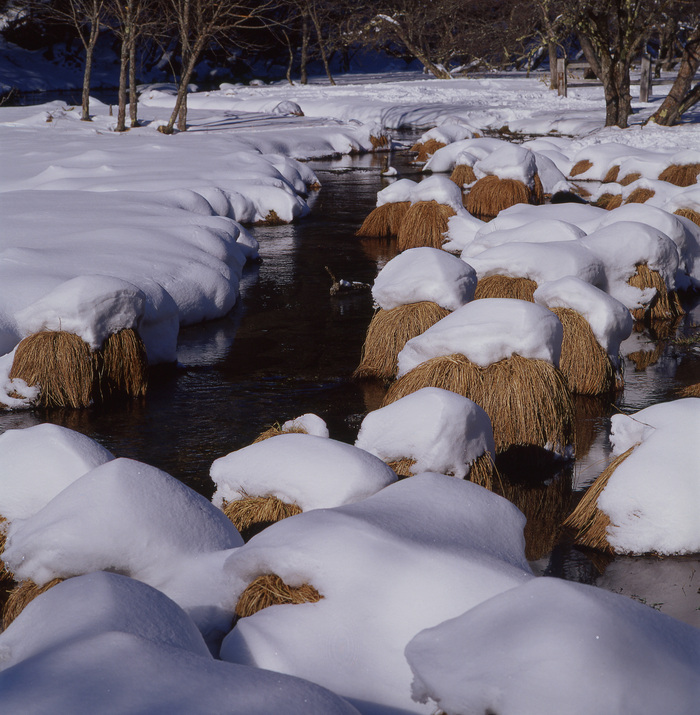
447,37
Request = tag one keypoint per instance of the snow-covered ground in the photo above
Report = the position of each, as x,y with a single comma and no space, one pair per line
150,229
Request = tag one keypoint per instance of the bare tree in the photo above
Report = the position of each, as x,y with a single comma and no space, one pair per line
198,24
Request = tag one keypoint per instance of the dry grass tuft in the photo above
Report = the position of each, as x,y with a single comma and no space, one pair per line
642,359
426,149
587,520
580,167
608,201
380,142
630,179
694,216
384,221
22,595
272,219
463,174
640,195
122,365
586,366
690,390
528,401
424,224
61,363
251,514
537,196
611,175
481,470
388,333
491,195
271,590
665,305
505,287
403,467
276,430
681,174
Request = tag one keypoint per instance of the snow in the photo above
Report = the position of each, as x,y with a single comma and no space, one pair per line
424,274
40,461
486,331
312,472
309,423
530,649
610,320
652,497
540,262
442,431
418,552
508,162
105,643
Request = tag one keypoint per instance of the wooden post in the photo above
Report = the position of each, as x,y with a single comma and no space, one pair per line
561,76
645,79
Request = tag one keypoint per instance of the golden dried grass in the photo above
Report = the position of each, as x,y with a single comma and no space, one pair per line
640,195
681,174
403,467
252,513
426,149
528,401
22,595
630,178
61,363
586,366
481,470
611,175
276,430
690,390
380,142
271,590
665,305
388,333
424,224
505,287
384,221
491,195
463,174
608,201
694,216
589,523
580,167
642,359
537,196
122,365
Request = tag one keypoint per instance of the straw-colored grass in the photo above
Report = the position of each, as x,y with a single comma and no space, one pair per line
388,333
587,520
665,305
403,467
642,359
630,178
251,513
276,430
22,595
491,195
528,401
380,142
580,167
611,175
463,174
690,390
608,201
640,195
61,363
586,366
271,590
424,224
505,287
122,365
537,196
681,174
481,470
694,216
426,149
384,221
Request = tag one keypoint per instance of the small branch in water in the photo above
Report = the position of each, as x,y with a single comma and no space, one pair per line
343,286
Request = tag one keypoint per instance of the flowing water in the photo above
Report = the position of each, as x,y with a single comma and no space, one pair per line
289,347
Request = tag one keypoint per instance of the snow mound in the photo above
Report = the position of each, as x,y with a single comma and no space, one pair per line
486,331
424,274
509,162
526,651
442,431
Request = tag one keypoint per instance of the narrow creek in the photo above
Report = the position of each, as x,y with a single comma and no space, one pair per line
289,347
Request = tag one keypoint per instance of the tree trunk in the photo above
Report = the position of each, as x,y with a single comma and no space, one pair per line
673,106
180,109
553,77
618,98
89,53
304,48
123,75
321,47
133,97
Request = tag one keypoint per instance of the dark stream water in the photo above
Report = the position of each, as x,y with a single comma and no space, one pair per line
289,348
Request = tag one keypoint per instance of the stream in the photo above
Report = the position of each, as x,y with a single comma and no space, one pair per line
289,348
